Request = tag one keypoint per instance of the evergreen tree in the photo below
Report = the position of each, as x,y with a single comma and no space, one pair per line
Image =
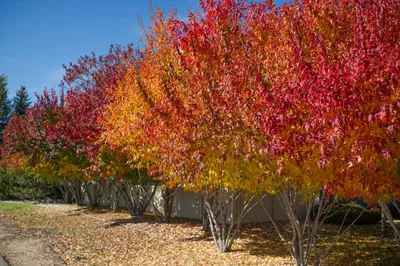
5,105
21,101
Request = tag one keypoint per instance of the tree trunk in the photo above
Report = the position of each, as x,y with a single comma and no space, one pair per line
168,202
97,195
220,208
65,191
389,217
115,202
304,235
383,226
204,216
136,197
78,192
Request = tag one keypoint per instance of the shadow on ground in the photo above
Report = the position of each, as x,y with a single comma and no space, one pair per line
146,218
359,245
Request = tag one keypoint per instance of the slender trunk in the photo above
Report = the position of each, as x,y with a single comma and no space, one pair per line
77,191
101,190
204,215
205,223
394,202
304,234
129,198
288,201
81,191
220,209
116,200
168,202
113,201
297,256
145,195
91,196
65,191
137,197
389,217
383,226
95,193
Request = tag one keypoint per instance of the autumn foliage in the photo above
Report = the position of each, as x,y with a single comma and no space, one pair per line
244,97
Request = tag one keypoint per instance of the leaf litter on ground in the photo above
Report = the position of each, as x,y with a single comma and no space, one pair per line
84,236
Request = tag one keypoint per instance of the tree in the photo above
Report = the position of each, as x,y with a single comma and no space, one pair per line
86,84
331,112
180,112
131,129
26,144
321,105
218,140
21,101
5,106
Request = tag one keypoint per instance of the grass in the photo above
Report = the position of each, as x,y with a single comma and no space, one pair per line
16,208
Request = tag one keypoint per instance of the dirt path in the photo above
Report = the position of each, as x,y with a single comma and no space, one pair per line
26,247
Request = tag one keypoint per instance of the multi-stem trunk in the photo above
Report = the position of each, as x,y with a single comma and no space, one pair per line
78,191
65,191
95,192
137,197
167,195
225,220
389,217
114,203
304,240
204,216
113,200
168,202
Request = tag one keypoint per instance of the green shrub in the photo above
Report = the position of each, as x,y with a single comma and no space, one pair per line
339,210
25,186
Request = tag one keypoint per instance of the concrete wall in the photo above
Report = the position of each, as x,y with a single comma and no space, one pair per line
273,207
189,205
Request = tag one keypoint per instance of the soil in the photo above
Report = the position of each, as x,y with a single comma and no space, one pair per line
21,247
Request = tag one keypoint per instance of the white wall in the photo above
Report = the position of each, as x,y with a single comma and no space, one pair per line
189,205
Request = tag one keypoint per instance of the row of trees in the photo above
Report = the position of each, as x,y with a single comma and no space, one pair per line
18,185
245,98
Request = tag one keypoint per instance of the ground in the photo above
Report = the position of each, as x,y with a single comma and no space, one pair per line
65,234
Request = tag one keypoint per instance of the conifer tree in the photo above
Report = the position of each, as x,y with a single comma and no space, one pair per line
21,101
5,106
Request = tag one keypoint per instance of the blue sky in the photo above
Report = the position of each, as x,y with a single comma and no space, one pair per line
38,36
